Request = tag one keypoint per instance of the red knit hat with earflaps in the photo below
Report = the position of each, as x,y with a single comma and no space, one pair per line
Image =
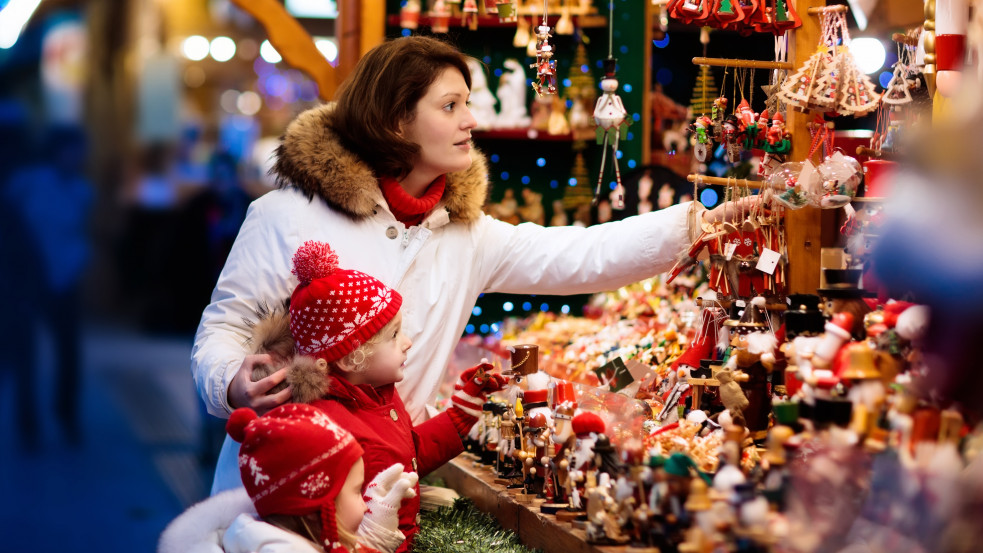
333,311
294,460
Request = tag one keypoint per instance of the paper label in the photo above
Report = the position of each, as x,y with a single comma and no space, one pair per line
768,261
615,373
729,248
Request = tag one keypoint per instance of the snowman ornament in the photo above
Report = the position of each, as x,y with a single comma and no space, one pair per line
610,116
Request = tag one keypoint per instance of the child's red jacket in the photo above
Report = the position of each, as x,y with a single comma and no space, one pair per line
380,423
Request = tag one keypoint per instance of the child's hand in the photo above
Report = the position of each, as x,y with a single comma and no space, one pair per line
383,497
469,395
479,381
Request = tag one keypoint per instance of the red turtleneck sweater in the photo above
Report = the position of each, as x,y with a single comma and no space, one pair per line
407,209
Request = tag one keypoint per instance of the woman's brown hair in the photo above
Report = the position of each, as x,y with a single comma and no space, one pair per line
382,92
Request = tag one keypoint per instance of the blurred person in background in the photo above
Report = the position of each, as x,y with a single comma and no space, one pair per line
53,198
18,279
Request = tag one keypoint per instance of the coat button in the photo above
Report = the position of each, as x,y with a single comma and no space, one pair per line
392,413
392,233
414,463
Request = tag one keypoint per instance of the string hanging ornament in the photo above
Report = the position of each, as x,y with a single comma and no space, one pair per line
545,66
830,79
611,117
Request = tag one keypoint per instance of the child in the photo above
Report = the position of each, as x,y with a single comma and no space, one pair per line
303,475
350,323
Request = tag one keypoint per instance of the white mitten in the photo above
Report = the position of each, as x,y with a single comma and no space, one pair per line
384,495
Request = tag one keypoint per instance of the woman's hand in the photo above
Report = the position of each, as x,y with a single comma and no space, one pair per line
730,211
243,392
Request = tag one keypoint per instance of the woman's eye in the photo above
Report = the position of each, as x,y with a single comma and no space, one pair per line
450,106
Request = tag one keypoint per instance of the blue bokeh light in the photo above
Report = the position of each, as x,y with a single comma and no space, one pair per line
709,197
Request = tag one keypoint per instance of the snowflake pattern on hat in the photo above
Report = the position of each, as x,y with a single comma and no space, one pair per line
324,421
337,310
315,485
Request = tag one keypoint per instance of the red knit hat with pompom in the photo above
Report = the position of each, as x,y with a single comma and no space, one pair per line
333,311
294,461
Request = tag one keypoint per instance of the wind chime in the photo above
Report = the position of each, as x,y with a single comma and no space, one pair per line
545,65
610,115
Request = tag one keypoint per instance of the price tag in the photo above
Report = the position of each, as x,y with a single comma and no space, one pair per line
729,248
768,261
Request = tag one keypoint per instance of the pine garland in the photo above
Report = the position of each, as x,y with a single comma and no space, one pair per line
462,528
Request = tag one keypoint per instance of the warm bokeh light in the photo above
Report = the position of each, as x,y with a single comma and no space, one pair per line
269,53
195,47
328,47
222,48
249,103
869,53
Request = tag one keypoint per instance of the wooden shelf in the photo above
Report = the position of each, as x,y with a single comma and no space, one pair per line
536,530
531,134
488,21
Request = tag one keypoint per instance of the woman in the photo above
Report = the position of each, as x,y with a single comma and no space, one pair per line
388,176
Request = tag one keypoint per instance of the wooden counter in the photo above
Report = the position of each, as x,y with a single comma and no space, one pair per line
536,530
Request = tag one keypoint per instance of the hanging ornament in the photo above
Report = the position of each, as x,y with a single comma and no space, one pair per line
830,79
717,114
704,140
545,65
440,17
610,115
507,12
491,7
409,15
469,14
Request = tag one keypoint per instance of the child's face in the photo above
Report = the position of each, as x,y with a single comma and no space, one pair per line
388,356
349,504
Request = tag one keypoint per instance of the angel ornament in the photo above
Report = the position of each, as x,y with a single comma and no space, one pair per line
610,116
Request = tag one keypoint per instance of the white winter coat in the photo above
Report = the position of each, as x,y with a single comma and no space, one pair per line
228,523
440,266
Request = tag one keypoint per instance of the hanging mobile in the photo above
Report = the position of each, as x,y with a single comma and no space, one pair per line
545,65
610,116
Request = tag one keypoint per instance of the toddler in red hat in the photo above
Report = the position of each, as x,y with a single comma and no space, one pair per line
304,477
349,325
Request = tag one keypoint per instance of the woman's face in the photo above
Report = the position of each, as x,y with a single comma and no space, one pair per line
349,503
441,125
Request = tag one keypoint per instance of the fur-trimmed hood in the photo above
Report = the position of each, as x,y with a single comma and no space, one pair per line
312,158
271,335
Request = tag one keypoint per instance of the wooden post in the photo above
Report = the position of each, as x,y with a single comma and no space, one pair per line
373,31
803,227
348,28
650,13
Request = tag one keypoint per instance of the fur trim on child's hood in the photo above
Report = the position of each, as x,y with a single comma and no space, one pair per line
271,334
200,528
